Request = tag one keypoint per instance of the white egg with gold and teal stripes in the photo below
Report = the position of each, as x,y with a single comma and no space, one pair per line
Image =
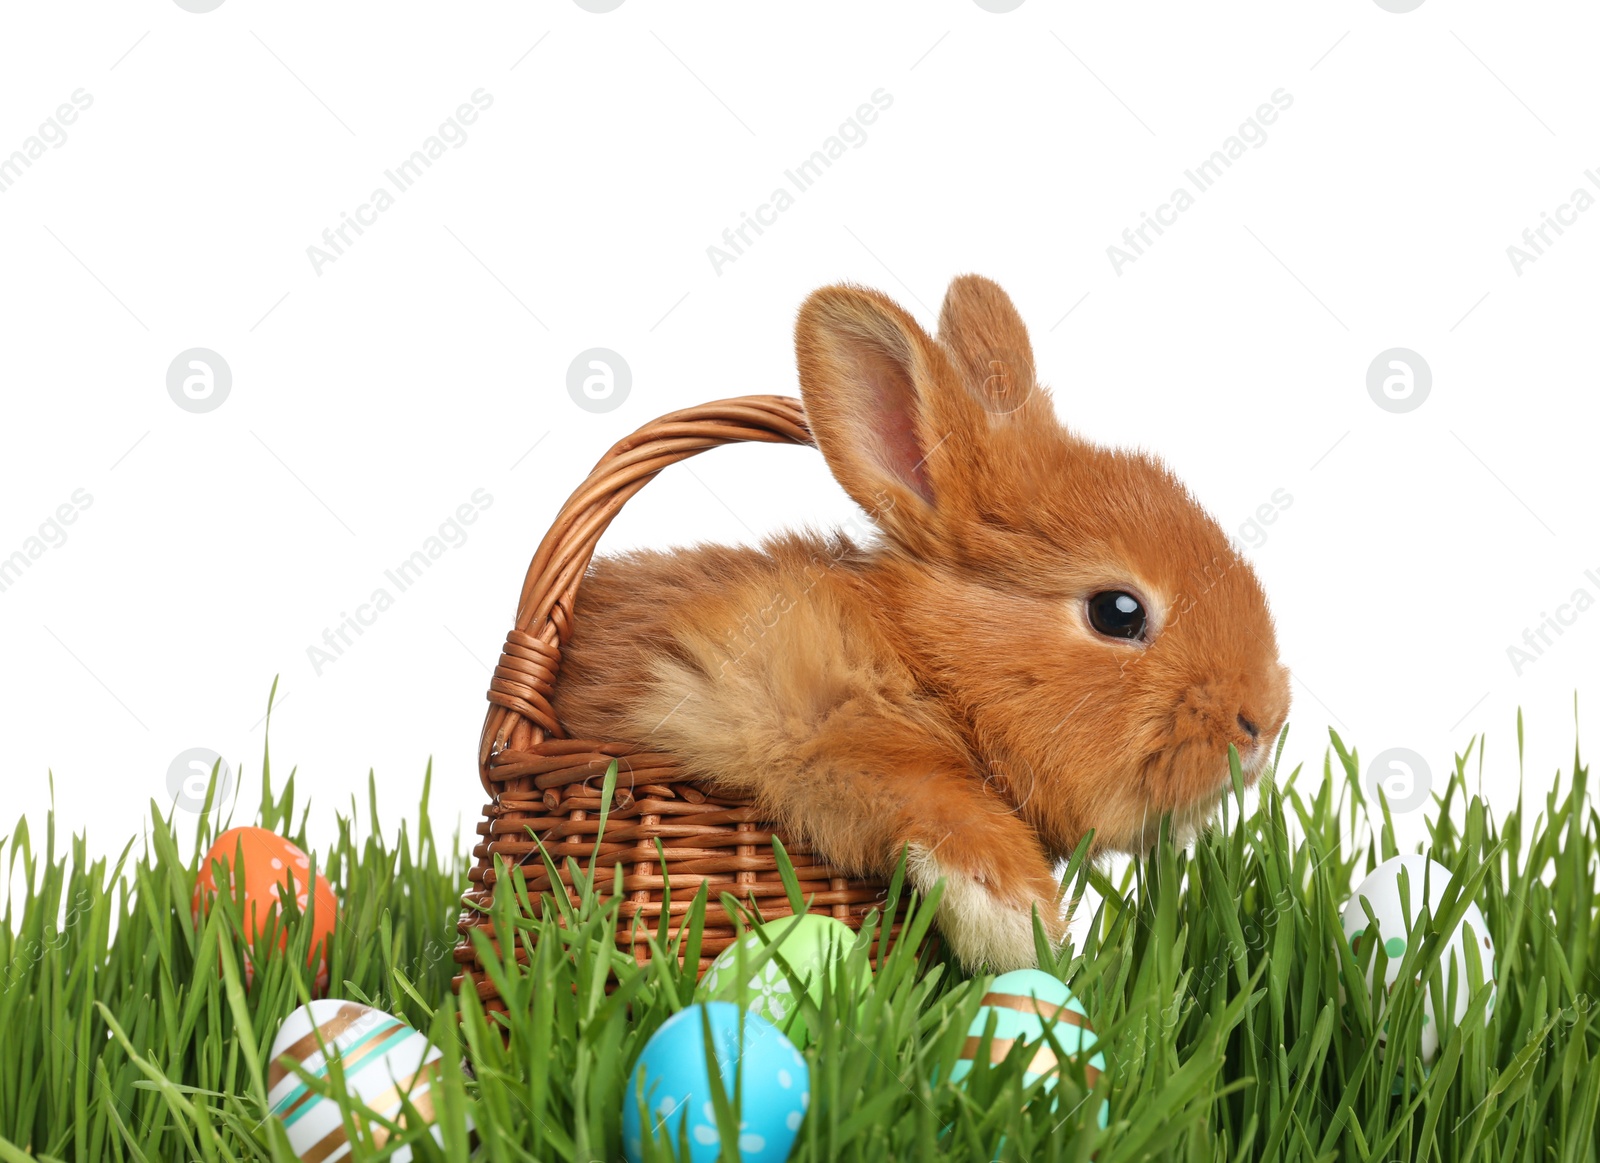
1024,1004
383,1059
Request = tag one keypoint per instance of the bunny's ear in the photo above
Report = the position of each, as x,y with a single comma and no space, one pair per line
988,342
886,406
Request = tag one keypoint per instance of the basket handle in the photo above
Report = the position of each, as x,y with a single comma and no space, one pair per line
520,714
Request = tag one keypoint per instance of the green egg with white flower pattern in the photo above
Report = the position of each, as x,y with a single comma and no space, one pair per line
747,974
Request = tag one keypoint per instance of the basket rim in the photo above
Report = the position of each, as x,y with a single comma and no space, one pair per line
520,713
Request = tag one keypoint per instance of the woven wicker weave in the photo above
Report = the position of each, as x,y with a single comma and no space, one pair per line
543,783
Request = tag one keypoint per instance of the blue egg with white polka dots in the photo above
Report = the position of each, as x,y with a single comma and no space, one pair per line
773,1080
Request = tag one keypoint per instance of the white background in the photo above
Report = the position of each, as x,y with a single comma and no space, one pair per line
371,399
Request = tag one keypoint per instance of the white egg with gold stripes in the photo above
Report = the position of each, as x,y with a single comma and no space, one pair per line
383,1060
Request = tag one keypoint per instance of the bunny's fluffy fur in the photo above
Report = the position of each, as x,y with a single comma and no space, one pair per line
940,689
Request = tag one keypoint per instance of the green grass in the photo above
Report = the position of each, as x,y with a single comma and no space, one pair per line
1213,976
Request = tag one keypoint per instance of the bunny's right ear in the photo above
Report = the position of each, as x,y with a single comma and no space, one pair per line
887,409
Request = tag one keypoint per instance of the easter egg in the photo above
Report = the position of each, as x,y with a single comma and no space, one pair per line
1023,1005
383,1059
811,944
269,868
1382,891
773,1080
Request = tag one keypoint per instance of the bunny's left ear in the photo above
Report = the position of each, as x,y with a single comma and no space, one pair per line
988,343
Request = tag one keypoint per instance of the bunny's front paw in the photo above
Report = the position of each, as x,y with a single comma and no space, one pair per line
986,914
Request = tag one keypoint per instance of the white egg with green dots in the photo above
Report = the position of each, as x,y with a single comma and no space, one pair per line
1382,890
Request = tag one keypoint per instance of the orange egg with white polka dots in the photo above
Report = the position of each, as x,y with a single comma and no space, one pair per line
269,867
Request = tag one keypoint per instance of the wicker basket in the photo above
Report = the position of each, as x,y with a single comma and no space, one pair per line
543,784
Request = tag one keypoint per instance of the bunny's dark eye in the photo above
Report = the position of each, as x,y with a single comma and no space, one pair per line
1117,614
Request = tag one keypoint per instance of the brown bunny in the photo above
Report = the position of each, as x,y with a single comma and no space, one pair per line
1049,637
